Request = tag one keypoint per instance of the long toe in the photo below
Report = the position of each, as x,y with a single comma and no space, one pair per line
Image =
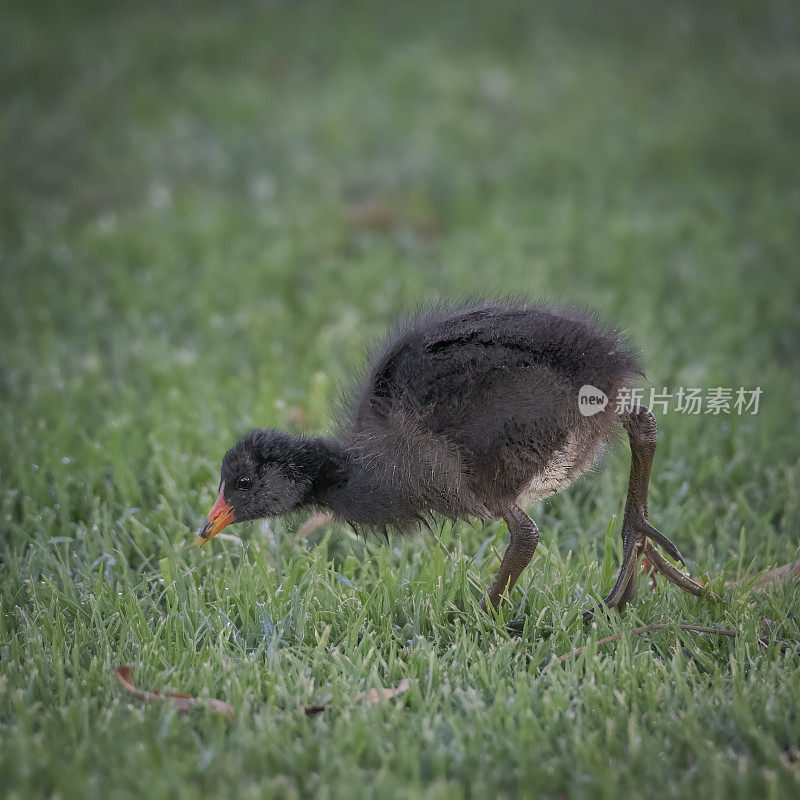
622,592
669,547
627,573
632,589
671,573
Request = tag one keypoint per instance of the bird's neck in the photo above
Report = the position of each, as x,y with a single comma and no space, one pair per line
329,473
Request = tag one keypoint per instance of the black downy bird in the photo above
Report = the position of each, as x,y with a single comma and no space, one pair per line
471,411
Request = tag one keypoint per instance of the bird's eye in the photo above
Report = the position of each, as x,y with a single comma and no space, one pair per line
244,483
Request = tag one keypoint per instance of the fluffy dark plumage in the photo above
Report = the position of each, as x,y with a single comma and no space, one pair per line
462,411
468,412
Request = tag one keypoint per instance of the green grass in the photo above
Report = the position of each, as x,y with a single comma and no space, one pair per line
207,214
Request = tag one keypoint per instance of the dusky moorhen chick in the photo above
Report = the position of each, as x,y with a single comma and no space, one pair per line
471,411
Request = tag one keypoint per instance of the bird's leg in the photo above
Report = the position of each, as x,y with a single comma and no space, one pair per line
521,547
640,425
642,431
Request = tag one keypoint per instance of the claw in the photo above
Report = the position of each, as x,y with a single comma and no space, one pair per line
588,616
648,530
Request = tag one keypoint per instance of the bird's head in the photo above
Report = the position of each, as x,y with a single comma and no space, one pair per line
266,474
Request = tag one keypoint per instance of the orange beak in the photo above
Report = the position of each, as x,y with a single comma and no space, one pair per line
220,516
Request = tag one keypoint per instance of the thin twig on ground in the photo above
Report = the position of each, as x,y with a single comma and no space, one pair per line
761,641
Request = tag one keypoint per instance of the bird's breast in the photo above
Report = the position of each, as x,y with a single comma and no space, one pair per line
564,467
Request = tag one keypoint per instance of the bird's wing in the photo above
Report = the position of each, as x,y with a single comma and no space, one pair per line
386,388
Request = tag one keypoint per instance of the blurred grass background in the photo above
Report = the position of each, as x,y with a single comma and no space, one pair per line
208,215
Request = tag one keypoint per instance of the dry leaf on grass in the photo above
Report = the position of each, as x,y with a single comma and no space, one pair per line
314,522
772,578
182,702
386,215
650,571
372,696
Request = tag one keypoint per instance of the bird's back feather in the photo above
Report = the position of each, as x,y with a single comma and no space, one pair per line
463,408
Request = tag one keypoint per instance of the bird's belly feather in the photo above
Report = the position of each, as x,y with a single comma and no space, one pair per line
565,466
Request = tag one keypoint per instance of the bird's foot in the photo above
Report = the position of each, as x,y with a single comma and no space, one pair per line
638,537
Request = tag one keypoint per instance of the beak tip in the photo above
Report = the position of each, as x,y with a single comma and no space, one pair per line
220,516
205,534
